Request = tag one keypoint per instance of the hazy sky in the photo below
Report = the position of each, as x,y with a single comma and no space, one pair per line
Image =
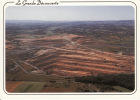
70,13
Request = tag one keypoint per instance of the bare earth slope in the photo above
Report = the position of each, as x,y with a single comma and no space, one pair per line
64,55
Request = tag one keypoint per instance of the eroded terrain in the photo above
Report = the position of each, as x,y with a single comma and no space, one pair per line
51,58
63,55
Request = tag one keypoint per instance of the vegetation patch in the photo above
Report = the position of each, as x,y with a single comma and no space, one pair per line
30,87
121,89
124,80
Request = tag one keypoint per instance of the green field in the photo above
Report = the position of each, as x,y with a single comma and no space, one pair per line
30,87
121,89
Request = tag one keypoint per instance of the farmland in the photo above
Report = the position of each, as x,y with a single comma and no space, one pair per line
121,89
56,57
30,87
11,85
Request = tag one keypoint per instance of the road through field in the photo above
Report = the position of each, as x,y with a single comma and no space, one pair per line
33,73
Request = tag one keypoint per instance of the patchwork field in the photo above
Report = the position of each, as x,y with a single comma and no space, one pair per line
58,56
30,87
11,85
58,86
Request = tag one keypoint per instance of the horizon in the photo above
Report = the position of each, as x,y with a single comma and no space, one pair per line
70,13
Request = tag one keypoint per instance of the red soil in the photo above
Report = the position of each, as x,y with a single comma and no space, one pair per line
10,47
11,85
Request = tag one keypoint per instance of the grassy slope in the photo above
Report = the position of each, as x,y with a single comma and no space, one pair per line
30,87
122,89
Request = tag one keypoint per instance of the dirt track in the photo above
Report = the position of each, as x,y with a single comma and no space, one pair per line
64,55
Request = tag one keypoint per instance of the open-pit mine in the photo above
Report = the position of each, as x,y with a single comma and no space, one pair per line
69,58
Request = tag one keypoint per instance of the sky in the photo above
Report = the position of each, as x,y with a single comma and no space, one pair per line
70,13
